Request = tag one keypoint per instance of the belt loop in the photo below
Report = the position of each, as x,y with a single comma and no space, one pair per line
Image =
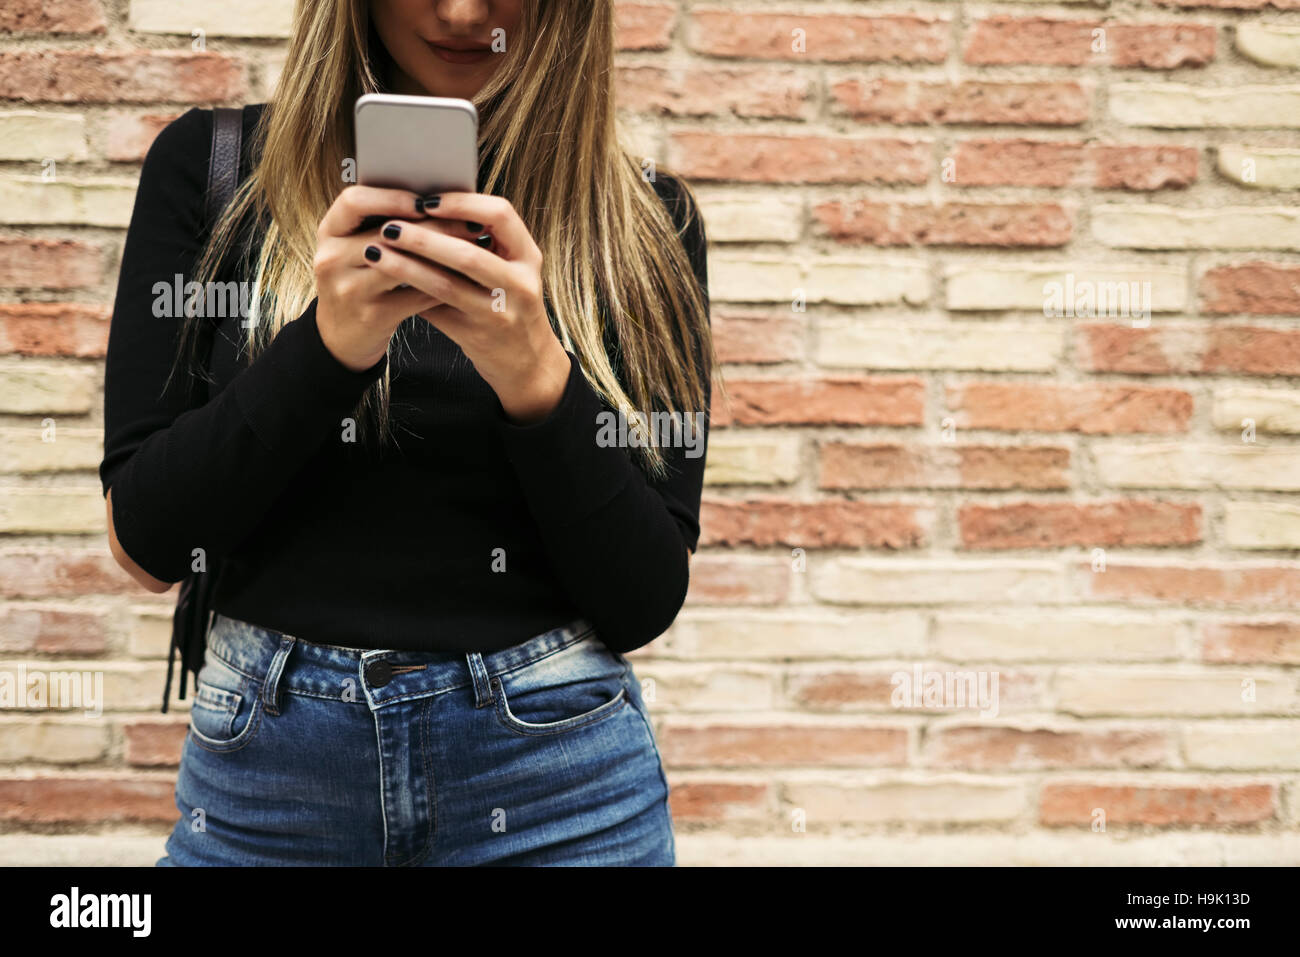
271,687
482,686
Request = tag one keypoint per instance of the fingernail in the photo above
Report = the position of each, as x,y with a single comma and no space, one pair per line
427,202
373,253
474,227
392,231
485,240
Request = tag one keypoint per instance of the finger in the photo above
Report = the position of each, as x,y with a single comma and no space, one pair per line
433,280
348,252
469,259
348,212
496,214
407,302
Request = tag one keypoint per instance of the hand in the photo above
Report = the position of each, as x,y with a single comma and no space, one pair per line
488,297
357,308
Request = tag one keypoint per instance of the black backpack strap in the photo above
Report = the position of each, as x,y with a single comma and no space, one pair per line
223,161
193,606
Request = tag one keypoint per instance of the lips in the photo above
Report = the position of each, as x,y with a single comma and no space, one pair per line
460,52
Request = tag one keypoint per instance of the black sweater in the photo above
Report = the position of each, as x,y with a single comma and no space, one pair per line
332,542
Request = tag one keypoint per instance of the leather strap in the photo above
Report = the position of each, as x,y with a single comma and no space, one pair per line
223,161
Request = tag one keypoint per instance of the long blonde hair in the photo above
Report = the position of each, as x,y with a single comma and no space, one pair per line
611,252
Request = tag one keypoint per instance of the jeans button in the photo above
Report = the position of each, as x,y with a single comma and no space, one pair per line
379,673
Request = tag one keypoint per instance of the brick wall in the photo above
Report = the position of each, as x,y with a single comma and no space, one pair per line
923,468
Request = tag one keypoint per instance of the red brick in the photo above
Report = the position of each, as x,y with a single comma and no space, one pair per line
129,135
50,263
50,573
839,400
1257,288
1091,409
86,800
776,745
1043,40
810,524
719,800
1024,162
1017,162
1143,167
828,37
1056,525
51,631
986,748
724,581
83,76
155,742
747,335
54,329
758,158
950,224
880,100
52,16
846,465
1065,804
1193,585
1252,351
779,94
643,26
1163,350
1251,642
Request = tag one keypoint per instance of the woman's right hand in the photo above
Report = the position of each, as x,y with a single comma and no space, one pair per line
358,308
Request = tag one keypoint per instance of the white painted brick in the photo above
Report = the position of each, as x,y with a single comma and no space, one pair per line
232,18
1119,691
997,286
794,634
751,458
907,345
1016,634
1271,410
1260,167
1261,525
1242,745
1178,106
1168,227
28,200
1175,465
872,581
1272,44
37,135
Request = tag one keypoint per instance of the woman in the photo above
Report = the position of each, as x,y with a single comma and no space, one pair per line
432,561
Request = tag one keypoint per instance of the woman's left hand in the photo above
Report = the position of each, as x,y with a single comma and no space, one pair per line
495,310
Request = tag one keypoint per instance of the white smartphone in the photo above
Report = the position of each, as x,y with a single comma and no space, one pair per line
427,144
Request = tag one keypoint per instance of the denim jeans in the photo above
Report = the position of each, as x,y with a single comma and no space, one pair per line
307,754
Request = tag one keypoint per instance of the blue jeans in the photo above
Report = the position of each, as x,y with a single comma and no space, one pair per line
306,754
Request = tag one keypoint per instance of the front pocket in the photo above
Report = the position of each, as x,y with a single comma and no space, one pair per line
574,688
226,710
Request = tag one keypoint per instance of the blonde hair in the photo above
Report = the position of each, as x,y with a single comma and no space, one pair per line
611,252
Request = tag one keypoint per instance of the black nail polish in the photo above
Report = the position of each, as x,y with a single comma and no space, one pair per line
427,202
392,231
485,240
474,227
373,253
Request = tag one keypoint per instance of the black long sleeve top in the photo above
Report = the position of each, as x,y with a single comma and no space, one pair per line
333,543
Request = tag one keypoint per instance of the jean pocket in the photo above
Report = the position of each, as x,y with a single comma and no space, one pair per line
226,710
575,687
